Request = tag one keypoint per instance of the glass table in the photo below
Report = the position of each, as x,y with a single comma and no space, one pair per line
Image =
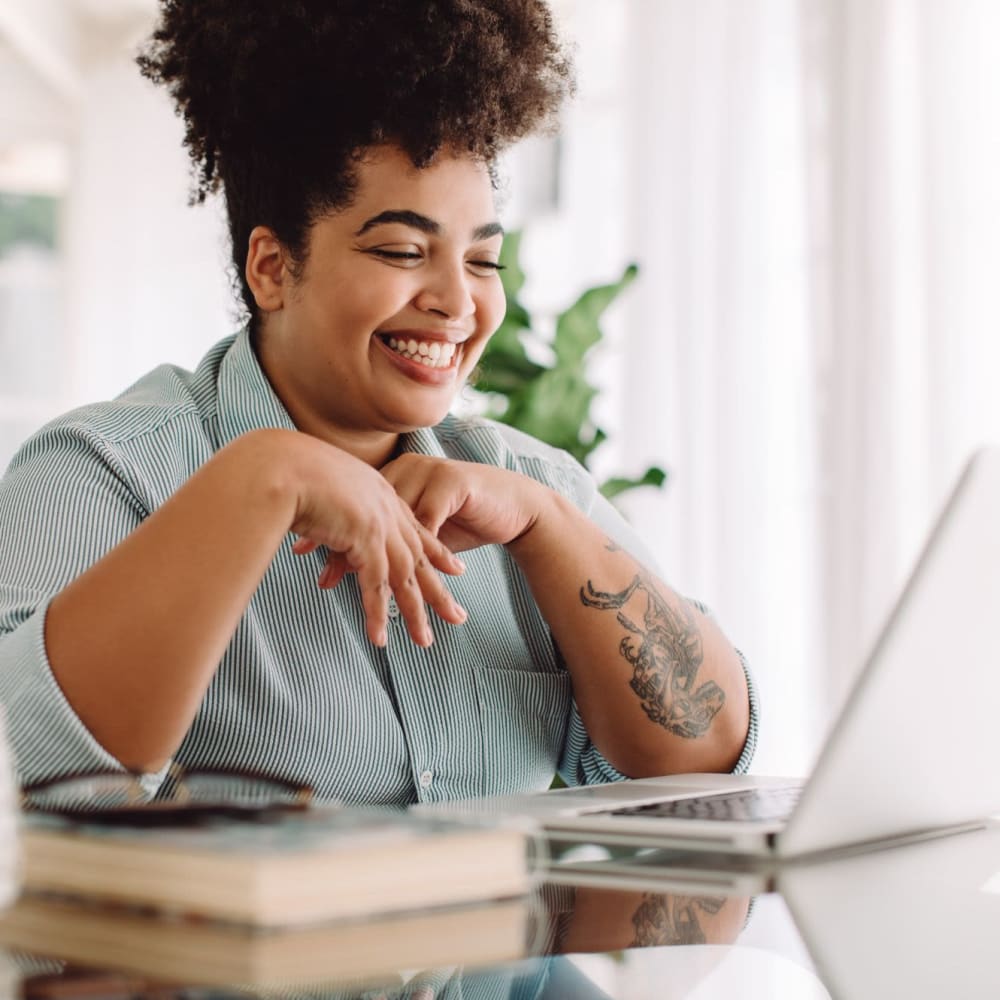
915,921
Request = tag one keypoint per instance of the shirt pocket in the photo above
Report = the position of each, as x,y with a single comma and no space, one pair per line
523,716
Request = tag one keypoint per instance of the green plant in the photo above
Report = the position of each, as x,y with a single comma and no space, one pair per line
27,219
552,402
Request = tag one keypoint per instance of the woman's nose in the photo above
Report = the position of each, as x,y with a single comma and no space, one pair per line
447,292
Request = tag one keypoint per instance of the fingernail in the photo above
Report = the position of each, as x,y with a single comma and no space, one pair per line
462,613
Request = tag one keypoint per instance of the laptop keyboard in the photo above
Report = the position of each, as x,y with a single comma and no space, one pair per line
752,805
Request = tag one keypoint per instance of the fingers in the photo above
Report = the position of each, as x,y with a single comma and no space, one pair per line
410,601
418,584
437,553
375,601
432,498
432,587
334,571
376,535
404,565
437,595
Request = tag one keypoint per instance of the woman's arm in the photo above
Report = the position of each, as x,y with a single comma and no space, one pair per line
134,641
659,687
613,919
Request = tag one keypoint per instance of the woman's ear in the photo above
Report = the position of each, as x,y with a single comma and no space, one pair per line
266,271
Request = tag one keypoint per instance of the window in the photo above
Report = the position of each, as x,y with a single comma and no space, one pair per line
31,328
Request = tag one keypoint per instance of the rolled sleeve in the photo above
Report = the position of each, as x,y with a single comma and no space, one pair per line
750,746
64,503
582,763
46,735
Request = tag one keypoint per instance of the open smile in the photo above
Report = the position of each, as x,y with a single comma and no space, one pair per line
427,360
430,353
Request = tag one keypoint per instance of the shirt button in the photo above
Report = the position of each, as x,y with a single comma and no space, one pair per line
393,607
426,777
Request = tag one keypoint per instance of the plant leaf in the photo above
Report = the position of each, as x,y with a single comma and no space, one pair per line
578,328
512,276
554,408
616,485
505,366
506,374
552,403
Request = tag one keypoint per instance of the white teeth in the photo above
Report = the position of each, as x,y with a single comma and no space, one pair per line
433,353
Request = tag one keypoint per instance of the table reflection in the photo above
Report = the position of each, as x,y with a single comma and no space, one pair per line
559,921
919,921
610,920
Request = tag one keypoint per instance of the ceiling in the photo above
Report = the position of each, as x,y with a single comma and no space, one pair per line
45,49
52,40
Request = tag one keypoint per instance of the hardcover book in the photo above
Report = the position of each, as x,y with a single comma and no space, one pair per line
277,868
196,952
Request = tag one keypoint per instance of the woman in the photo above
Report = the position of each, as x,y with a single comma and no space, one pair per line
160,558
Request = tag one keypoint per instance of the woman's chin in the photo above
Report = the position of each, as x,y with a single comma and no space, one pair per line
411,418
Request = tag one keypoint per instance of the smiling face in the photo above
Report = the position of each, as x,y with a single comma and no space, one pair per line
398,296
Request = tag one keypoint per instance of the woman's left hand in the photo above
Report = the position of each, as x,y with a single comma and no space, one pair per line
464,503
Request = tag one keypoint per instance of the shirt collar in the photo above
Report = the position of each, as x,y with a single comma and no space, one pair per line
423,441
246,400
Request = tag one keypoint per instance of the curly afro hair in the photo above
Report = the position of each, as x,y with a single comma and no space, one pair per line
279,99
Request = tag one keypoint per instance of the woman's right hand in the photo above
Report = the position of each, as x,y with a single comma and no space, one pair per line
349,507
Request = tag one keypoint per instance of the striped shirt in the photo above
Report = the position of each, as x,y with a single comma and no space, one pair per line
300,692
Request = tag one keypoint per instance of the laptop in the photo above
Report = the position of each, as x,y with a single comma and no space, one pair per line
913,753
915,922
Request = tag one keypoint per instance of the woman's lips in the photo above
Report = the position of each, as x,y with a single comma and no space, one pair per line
430,353
421,367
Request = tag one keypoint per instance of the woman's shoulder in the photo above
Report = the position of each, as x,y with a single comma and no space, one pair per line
166,395
162,422
479,439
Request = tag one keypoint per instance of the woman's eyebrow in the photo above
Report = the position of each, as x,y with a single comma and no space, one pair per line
406,217
485,232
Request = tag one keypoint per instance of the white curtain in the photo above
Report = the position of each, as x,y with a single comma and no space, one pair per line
814,197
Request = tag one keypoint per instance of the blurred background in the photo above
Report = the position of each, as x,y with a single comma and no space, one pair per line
811,190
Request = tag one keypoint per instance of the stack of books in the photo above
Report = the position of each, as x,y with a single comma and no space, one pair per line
276,899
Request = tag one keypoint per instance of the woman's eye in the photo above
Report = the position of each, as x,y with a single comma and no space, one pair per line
404,255
486,266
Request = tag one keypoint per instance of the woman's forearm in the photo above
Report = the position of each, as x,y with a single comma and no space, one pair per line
659,687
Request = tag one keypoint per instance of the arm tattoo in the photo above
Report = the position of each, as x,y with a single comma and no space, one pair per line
663,920
665,652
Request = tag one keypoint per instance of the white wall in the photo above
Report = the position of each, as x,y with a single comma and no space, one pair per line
147,279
